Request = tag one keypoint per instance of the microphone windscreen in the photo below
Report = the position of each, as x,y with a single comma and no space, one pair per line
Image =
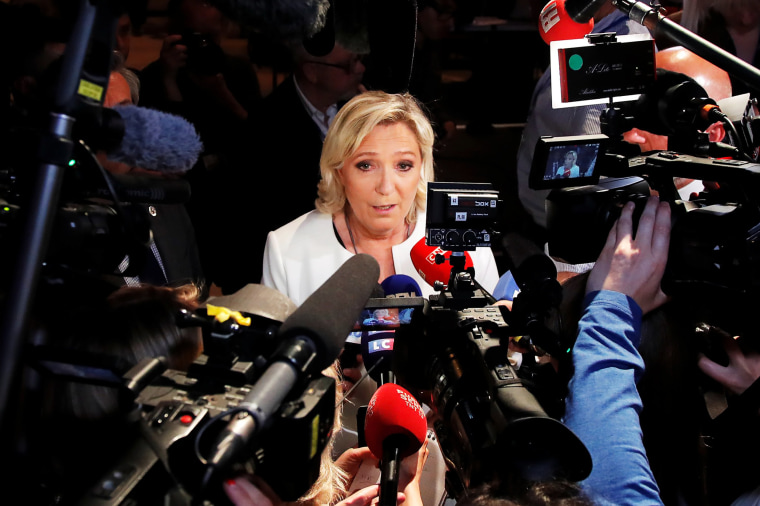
423,259
554,23
398,284
156,140
289,19
393,411
329,314
323,42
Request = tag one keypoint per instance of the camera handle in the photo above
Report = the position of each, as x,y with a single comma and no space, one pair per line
463,290
96,20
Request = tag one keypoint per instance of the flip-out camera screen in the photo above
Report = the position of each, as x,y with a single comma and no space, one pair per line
559,162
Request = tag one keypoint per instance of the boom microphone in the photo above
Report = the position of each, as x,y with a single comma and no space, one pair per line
394,428
312,338
156,140
581,11
424,260
554,23
288,19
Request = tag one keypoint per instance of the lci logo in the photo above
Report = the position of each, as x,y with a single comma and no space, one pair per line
380,345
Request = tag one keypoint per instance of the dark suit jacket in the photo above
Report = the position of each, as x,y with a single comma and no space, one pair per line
276,185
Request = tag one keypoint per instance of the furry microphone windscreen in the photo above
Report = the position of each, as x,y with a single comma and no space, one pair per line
156,140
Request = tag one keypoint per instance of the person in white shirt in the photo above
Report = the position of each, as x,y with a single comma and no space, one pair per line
376,162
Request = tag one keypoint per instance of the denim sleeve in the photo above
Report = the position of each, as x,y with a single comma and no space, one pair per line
603,405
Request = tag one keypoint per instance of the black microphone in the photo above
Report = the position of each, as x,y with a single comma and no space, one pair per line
377,354
312,338
581,11
392,34
141,189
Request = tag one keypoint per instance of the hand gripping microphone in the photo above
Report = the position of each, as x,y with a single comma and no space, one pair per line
554,23
424,260
395,427
312,338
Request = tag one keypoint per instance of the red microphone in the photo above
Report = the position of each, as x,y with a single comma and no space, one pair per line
394,428
554,23
423,259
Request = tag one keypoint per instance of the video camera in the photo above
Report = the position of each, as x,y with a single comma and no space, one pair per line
180,414
452,352
713,248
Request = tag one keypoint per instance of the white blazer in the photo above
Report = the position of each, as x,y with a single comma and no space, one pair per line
301,255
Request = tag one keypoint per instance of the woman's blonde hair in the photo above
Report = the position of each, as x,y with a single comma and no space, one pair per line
355,120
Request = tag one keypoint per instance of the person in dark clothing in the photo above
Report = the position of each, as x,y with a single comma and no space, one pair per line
196,79
276,185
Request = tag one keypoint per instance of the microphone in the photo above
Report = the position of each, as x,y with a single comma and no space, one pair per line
554,23
289,19
323,42
377,347
312,338
142,189
581,11
156,140
394,428
400,285
424,261
391,56
377,354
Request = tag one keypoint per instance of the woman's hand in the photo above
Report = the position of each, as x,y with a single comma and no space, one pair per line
631,266
367,496
351,459
742,370
410,475
250,491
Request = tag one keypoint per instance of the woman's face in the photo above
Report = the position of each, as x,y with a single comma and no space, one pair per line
381,177
569,160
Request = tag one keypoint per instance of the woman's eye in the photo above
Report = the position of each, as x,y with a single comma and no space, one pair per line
405,166
363,166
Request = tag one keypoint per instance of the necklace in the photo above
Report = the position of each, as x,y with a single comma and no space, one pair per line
351,232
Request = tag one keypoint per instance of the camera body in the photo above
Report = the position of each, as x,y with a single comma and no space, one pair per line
179,416
452,352
204,56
